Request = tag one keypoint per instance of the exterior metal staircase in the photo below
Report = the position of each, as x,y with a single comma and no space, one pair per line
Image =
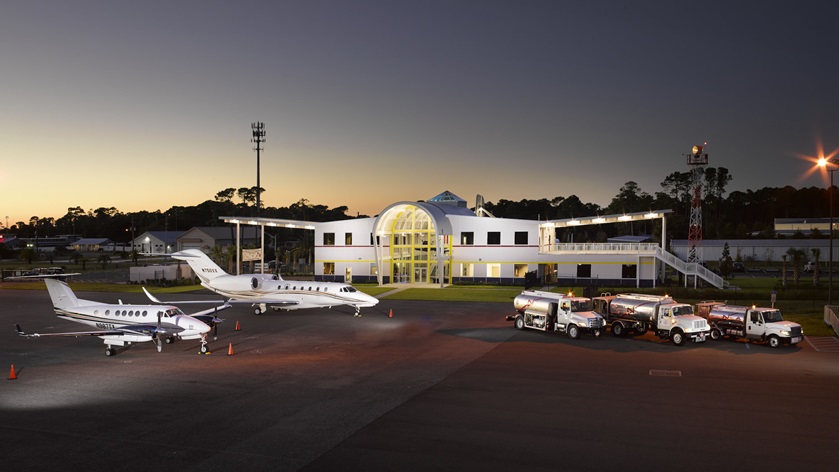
689,269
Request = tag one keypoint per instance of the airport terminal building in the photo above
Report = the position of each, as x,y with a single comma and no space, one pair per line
441,241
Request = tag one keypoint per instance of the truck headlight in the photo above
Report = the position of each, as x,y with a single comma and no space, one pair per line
784,333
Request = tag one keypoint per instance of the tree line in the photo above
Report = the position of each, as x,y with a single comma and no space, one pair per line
734,215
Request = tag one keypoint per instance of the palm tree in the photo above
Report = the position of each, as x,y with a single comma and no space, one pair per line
305,247
816,269
784,270
104,259
797,255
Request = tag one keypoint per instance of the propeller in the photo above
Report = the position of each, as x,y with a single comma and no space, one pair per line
157,337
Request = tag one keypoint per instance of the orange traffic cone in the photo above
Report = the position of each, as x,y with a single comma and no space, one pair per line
12,375
237,326
230,350
390,315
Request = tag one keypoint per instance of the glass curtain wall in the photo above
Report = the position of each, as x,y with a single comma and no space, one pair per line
413,247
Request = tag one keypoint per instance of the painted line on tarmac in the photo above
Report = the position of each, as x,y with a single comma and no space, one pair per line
823,343
665,373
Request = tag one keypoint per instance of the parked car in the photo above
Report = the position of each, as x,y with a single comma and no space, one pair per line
738,267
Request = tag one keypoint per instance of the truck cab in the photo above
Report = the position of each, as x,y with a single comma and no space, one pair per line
753,323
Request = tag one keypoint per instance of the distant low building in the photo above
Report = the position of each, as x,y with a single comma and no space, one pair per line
93,245
157,242
806,226
758,250
207,237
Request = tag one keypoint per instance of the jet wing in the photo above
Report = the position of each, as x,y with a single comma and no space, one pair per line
267,301
142,330
183,302
110,332
225,303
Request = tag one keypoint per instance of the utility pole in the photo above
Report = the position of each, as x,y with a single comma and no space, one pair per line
258,138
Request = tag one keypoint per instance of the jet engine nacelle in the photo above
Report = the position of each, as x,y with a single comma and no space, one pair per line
241,283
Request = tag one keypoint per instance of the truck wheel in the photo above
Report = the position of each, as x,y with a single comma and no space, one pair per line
573,331
519,322
774,341
677,337
715,334
641,329
617,329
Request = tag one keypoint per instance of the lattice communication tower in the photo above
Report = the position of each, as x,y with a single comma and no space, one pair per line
697,161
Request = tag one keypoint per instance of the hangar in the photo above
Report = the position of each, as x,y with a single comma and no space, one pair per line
441,241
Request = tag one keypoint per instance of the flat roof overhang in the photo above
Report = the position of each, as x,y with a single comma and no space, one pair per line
599,220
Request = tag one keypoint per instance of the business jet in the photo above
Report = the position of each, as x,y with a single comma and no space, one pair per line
264,290
122,325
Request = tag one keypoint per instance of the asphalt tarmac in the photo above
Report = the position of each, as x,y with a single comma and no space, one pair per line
439,386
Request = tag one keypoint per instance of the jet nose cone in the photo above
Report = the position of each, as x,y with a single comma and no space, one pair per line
367,300
194,325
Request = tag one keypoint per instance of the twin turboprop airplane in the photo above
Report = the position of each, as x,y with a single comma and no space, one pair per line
264,290
121,325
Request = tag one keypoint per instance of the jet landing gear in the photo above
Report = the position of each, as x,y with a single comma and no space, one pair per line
260,309
357,312
204,349
110,351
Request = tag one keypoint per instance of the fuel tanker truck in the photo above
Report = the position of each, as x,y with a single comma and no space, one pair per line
753,323
555,312
640,313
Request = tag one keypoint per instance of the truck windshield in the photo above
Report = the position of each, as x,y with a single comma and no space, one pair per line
771,316
581,305
682,310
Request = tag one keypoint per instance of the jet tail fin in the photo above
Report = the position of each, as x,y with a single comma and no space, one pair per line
61,294
201,264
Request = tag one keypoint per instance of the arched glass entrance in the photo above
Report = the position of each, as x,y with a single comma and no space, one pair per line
416,253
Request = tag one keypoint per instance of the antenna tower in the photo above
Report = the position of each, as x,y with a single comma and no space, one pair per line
258,138
697,160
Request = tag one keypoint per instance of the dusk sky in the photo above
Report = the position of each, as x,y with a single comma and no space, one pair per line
143,105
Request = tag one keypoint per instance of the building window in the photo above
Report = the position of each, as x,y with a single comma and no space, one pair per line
328,239
348,239
519,270
521,237
494,237
629,271
493,270
584,270
467,270
328,268
467,238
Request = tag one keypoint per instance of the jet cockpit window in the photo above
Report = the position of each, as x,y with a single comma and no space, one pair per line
351,289
173,312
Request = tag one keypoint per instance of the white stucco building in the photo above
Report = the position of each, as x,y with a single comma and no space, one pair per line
441,241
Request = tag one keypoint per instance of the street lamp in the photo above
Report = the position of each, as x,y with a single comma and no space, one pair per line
823,164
